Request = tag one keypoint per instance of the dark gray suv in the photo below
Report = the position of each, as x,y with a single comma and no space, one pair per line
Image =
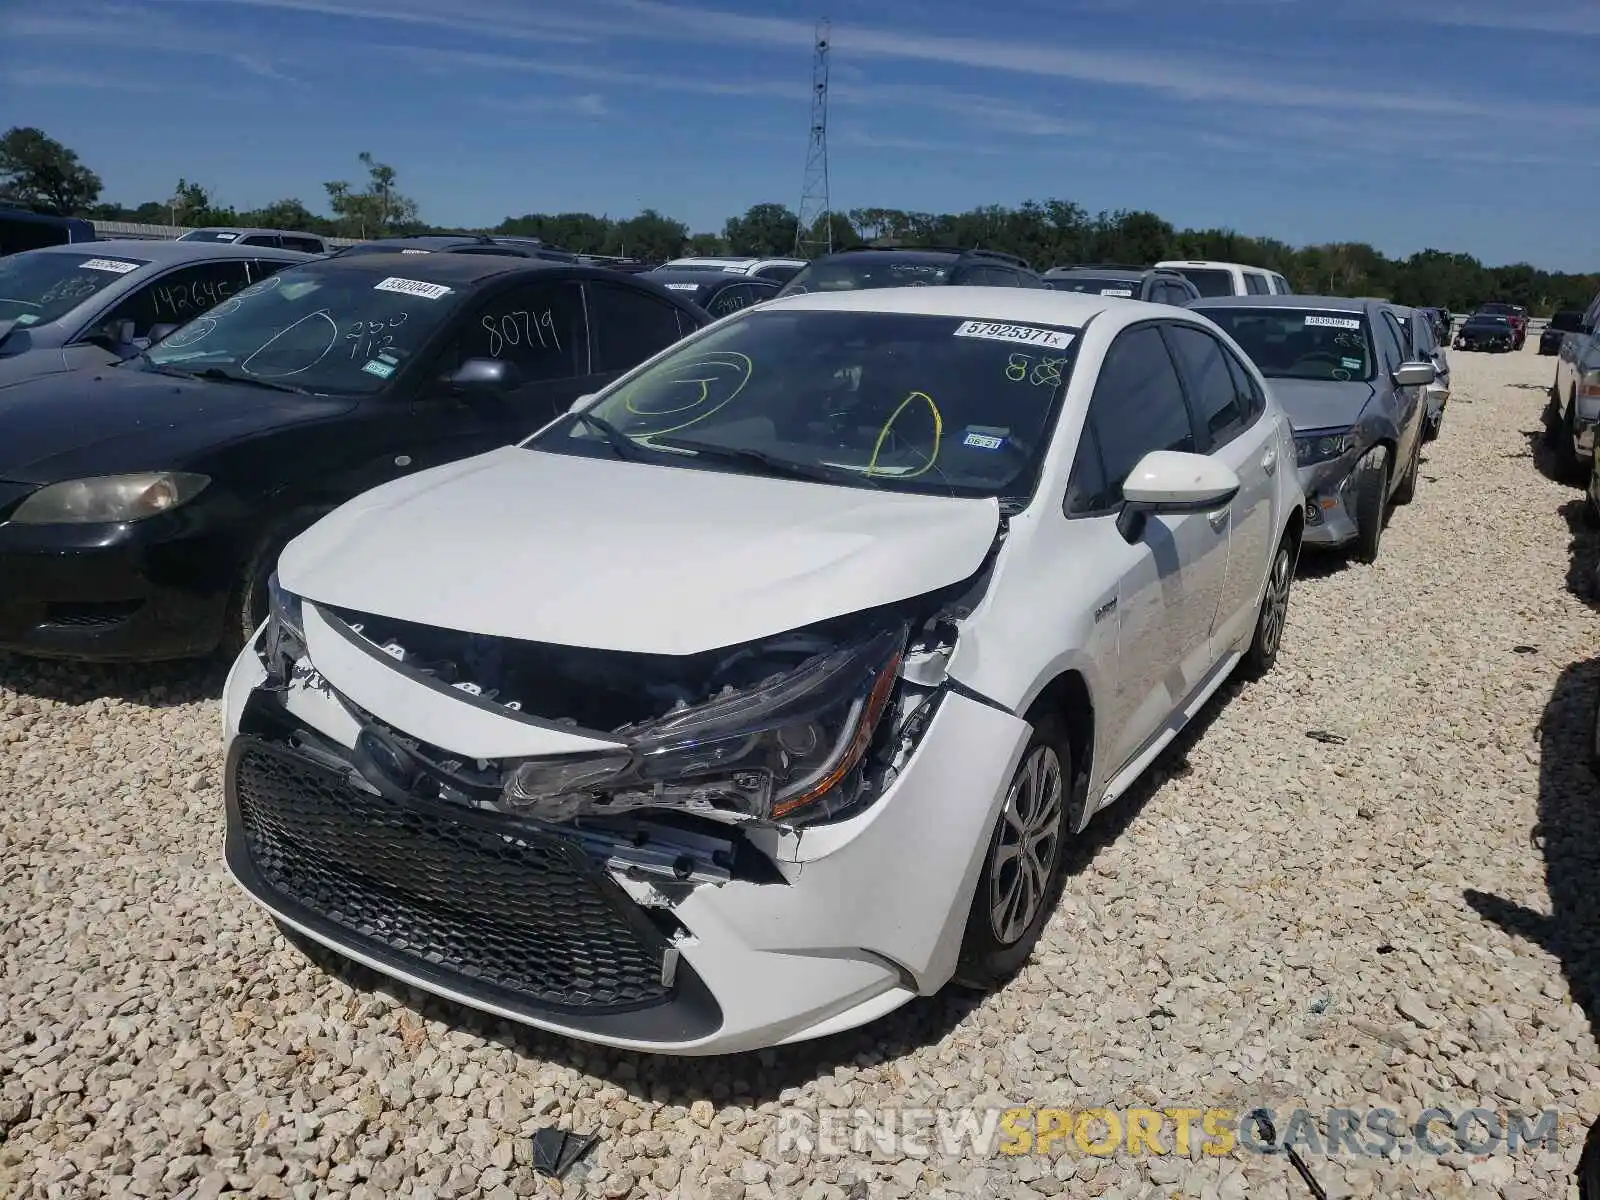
1136,283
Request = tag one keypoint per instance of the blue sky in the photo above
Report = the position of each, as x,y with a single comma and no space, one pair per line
1461,124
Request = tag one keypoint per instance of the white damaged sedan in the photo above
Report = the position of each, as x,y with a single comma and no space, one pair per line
763,691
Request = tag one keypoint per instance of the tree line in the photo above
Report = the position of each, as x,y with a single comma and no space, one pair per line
40,173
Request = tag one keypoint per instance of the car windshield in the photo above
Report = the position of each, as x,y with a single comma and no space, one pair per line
863,272
907,402
1208,281
40,285
327,329
1290,343
1104,285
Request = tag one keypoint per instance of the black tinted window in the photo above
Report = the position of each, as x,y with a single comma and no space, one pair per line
1244,385
1218,408
1390,341
1137,406
730,300
304,245
1086,486
1209,281
538,327
262,239
182,295
1256,285
628,327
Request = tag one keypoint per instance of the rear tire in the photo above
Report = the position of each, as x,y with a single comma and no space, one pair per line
1274,612
1372,503
1407,491
1567,461
1023,867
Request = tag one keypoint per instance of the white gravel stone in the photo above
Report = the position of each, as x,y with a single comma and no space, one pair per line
1268,919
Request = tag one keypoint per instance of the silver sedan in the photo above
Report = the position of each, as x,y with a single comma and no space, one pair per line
88,304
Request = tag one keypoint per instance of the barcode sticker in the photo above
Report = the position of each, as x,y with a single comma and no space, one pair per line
412,287
115,265
1333,322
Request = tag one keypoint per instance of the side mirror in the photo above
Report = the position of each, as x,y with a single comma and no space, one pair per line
483,375
1171,481
1415,374
157,332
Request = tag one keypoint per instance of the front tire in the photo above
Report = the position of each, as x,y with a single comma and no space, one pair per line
1022,871
1372,503
247,604
1567,462
1274,612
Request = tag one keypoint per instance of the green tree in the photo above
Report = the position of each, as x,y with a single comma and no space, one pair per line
39,173
378,209
765,230
649,236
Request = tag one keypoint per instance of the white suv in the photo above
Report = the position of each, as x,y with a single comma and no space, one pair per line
762,692
1228,279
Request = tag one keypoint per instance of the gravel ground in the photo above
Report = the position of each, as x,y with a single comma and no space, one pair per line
1402,919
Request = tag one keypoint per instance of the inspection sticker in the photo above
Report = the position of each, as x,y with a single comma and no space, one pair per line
381,369
27,318
115,265
1028,335
1117,292
983,441
1350,364
412,287
1333,322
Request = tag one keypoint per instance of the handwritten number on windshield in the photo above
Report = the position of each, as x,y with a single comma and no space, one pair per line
520,328
1046,373
368,338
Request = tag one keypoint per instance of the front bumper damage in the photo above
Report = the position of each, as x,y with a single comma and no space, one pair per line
649,930
1330,502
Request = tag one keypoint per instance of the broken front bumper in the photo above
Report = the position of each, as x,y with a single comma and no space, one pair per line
844,922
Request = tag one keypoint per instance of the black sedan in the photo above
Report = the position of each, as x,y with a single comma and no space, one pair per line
1486,331
1568,320
143,505
719,294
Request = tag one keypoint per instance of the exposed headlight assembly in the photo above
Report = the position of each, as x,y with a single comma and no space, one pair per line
108,499
283,641
1322,445
788,750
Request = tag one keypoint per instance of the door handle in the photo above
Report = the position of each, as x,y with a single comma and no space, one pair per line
1269,461
1219,518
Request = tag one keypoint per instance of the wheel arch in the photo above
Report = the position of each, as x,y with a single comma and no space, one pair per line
1067,695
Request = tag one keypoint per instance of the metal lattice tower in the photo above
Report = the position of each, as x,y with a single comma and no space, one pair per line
814,203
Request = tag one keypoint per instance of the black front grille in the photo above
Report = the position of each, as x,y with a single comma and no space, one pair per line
453,890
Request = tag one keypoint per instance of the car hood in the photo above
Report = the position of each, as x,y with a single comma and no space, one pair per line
605,554
1321,404
105,420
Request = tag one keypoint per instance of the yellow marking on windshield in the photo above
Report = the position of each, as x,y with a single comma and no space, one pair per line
888,429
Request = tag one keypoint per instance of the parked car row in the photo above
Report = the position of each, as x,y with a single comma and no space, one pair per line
700,654
1573,413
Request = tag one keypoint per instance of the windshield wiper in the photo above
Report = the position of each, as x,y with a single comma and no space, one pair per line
770,464
219,374
625,446
151,364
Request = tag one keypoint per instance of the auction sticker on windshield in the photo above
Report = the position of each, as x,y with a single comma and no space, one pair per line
115,265
1117,292
1028,335
1333,322
412,287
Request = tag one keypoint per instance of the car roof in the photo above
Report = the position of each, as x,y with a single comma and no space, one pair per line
995,304
246,230
1170,263
448,268
163,251
1330,303
1098,272
666,275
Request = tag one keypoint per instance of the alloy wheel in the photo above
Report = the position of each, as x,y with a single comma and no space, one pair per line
1025,852
1275,613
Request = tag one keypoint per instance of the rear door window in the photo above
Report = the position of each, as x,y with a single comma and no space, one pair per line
1218,408
1256,284
628,326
